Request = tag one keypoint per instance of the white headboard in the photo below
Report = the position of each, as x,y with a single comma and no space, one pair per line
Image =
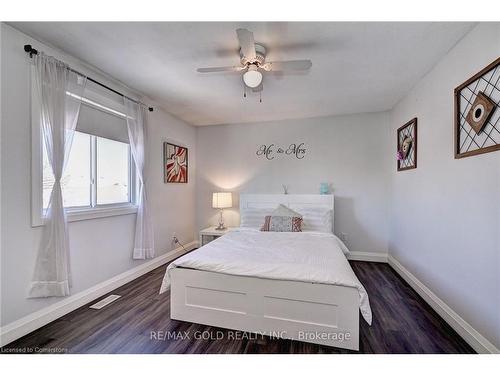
271,201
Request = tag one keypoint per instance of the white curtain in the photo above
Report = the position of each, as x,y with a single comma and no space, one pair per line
136,124
59,115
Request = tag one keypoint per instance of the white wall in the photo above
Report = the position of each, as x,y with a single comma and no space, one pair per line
441,221
350,152
100,248
445,219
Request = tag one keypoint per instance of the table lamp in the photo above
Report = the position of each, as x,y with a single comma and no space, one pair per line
222,200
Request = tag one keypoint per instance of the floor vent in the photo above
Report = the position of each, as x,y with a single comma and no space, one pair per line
105,301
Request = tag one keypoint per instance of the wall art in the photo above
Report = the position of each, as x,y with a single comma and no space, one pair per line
406,153
272,151
476,121
175,163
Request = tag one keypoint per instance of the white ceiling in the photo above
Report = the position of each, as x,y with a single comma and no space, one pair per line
357,67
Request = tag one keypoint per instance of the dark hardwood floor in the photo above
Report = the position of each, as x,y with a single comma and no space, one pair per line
139,322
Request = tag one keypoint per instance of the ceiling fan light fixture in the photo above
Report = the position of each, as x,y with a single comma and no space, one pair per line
252,77
253,63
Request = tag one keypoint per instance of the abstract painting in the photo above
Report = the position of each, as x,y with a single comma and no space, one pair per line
175,161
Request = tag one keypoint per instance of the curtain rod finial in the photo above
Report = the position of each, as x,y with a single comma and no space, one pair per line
29,49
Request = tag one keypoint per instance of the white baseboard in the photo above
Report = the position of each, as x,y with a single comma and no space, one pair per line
38,319
478,342
367,257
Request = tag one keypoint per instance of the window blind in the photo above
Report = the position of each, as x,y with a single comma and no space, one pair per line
101,123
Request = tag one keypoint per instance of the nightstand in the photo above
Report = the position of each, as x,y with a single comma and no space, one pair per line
209,234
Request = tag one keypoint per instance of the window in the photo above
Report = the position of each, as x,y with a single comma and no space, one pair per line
113,171
99,178
76,180
97,173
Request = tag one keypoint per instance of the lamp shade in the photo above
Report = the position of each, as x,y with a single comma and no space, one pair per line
222,200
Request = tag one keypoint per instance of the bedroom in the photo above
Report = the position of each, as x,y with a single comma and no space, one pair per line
250,187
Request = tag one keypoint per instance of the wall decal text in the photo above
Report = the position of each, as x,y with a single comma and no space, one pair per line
271,151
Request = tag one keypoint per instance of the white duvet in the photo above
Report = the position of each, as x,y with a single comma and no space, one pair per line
296,256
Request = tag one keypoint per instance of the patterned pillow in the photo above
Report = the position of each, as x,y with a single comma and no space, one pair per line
282,224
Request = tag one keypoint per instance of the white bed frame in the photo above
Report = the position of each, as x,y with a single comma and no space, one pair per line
317,313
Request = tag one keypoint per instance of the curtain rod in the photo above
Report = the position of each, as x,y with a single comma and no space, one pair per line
29,49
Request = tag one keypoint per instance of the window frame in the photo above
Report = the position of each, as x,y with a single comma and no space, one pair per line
75,213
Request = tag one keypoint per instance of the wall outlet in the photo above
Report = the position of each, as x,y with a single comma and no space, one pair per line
343,237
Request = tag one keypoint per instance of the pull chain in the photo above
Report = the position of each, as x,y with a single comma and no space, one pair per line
260,96
244,91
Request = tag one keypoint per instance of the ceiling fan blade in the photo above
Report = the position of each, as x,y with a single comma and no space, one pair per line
247,43
221,69
281,66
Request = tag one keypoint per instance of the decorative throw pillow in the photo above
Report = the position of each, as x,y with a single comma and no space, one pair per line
282,224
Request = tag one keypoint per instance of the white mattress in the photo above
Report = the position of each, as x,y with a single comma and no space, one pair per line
296,256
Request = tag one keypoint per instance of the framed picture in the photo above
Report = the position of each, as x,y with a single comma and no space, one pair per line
476,121
407,146
175,163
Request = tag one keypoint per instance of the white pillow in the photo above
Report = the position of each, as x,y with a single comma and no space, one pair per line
254,217
316,218
283,210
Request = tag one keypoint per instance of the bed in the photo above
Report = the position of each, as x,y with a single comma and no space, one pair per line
295,285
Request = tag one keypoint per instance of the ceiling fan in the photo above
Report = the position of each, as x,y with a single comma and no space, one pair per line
253,62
